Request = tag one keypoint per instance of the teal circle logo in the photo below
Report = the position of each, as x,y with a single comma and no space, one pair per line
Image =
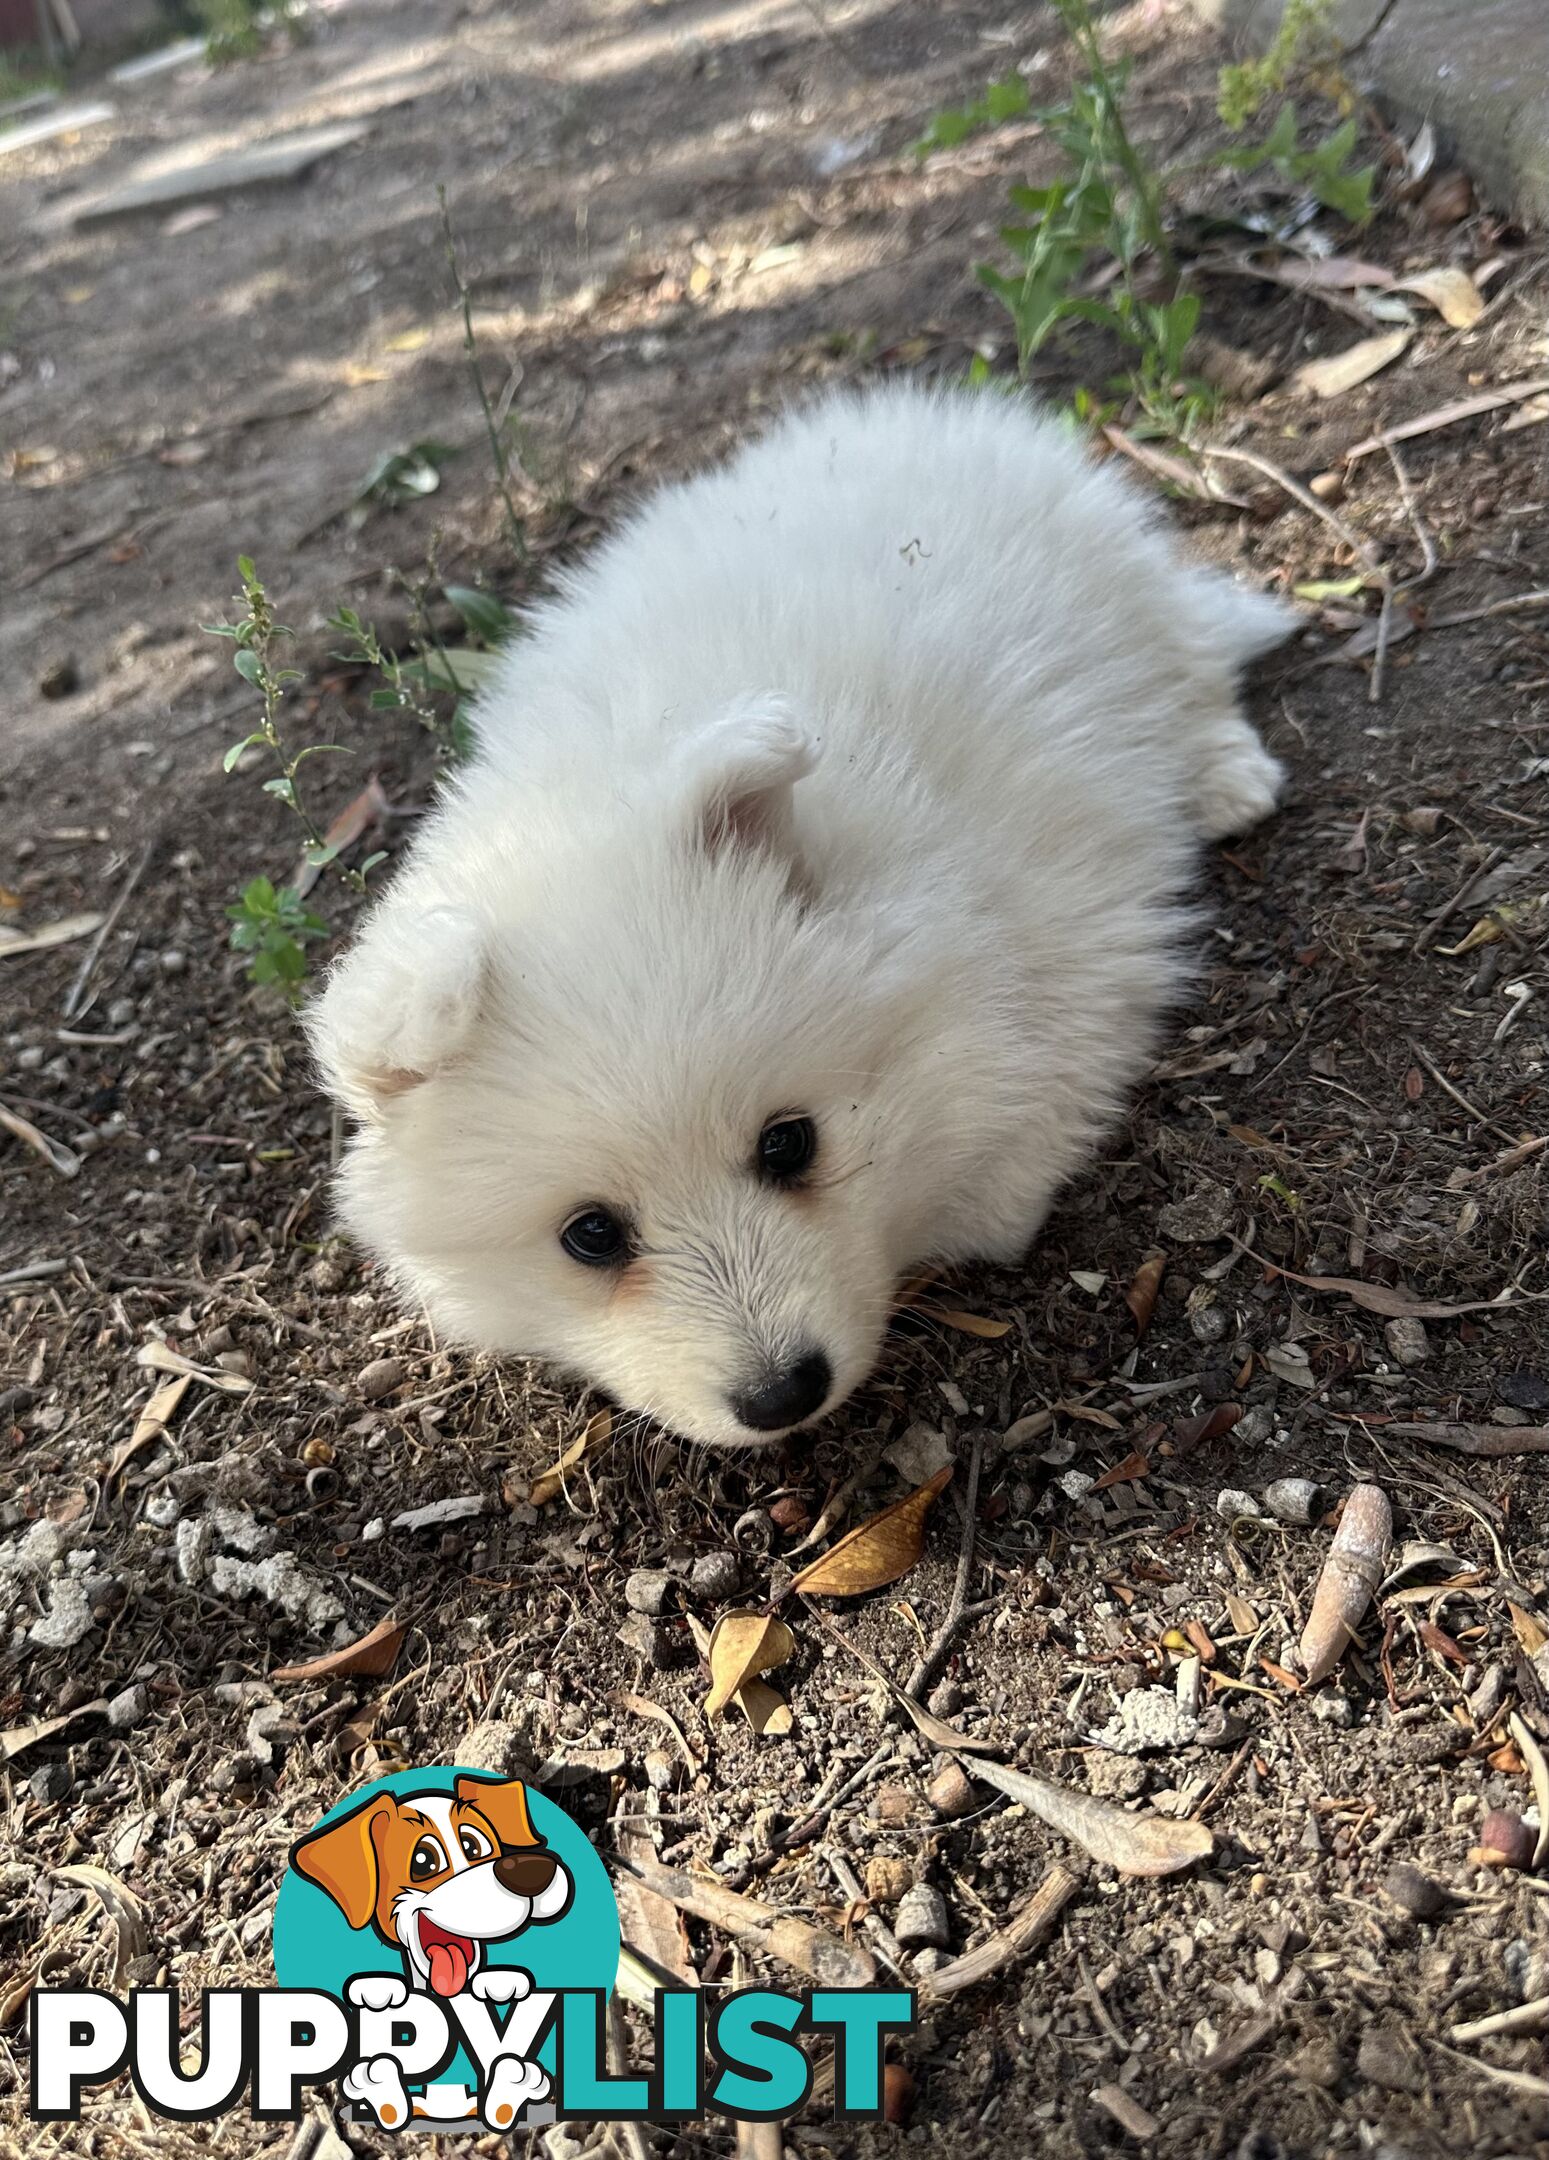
433,1898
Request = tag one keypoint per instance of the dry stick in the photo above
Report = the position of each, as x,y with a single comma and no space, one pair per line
806,1830
957,1609
1282,479
1032,1926
883,1940
1461,1100
1526,2017
1471,884
36,1271
83,974
1489,1441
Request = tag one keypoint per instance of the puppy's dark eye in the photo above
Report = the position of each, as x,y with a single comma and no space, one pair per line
426,1859
475,1845
596,1238
786,1147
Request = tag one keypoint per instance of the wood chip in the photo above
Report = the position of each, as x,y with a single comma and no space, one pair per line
1134,2120
1356,1564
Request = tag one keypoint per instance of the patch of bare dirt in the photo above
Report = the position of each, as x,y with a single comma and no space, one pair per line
673,217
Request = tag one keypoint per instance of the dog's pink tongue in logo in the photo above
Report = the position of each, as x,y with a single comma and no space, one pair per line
449,1955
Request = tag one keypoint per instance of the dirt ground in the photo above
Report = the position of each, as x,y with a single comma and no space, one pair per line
674,217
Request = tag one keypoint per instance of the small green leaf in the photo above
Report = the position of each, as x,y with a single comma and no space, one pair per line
371,861
1329,588
484,616
283,788
246,571
248,667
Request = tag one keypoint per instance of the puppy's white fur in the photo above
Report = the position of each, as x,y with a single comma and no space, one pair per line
865,778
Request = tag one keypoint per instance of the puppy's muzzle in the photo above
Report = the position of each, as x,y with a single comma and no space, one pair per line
525,1871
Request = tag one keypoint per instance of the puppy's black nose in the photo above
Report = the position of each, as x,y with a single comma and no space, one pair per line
787,1396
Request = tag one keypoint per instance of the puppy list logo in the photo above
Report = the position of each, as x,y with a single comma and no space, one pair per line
445,1943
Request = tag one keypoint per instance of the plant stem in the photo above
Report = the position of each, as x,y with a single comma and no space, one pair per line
471,348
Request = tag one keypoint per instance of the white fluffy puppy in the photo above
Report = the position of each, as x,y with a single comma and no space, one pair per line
807,909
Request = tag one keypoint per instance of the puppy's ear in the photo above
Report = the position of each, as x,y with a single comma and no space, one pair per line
398,1005
503,1804
342,1858
745,771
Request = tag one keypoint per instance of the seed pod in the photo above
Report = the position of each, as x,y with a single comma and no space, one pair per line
1349,1581
897,2094
1505,1841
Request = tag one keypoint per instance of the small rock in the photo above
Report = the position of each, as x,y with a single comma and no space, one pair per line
129,1708
173,961
236,1361
1230,1503
1523,1390
60,677
1220,1728
892,1805
887,1879
921,1920
661,1769
1335,1710
648,1590
1415,1893
371,1531
1408,1341
1200,1217
1115,1777
121,1012
31,1059
946,1699
68,1619
1329,487
1209,1320
1293,1500
50,1783
791,1515
1448,199
1388,2059
1254,1427
715,1575
495,1745
162,1510
380,1377
950,1793
1505,1840
1318,2063
648,1639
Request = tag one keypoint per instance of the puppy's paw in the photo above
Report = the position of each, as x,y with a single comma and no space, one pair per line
514,2083
378,2085
377,1991
1241,788
501,1984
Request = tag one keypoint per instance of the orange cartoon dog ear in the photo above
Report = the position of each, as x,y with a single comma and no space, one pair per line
341,1858
503,1804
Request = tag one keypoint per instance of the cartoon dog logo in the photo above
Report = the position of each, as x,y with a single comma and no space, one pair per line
438,1876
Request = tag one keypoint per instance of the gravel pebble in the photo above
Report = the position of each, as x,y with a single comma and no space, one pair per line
949,1792
921,1920
130,1708
1293,1500
648,1590
716,1575
51,1782
1414,1892
380,1377
1408,1341
647,1639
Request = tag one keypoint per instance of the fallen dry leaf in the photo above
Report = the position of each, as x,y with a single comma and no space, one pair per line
1140,1297
368,808
1485,1440
1134,1844
374,1655
1331,273
1127,1472
1355,1566
598,1433
1332,377
1528,1629
652,1924
122,1907
1538,1770
1450,291
766,1711
968,1323
150,1424
21,1737
63,932
744,1645
158,1356
875,1552
1392,1304
641,1706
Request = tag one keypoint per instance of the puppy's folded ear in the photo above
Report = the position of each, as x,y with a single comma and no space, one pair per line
745,771
503,1804
342,1858
398,1005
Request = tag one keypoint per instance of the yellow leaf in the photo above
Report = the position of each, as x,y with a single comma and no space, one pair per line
76,294
743,1645
355,375
876,1552
1342,371
768,1713
969,1323
408,341
1450,291
1530,1631
596,1437
700,279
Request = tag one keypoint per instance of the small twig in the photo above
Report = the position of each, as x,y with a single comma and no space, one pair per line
628,2137
1459,1098
1100,2010
35,1271
1427,544
883,1940
1033,1925
75,995
471,348
1525,2017
1380,654
1225,1781
1375,570
1470,884
925,1671
806,1830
